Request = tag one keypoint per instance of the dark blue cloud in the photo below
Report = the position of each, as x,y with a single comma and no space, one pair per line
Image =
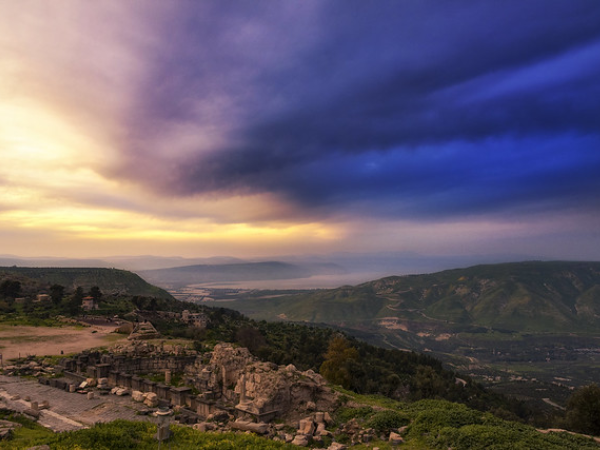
410,109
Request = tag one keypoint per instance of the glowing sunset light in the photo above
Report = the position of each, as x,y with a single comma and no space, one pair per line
253,129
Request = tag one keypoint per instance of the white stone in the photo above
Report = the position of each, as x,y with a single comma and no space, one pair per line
395,439
151,400
301,440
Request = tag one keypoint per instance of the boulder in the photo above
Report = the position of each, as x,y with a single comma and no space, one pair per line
337,446
204,426
395,439
138,396
301,440
151,400
246,425
306,427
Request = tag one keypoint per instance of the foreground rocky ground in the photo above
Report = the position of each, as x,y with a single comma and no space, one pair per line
65,411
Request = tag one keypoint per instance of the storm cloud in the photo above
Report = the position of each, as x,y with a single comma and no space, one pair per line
313,112
417,109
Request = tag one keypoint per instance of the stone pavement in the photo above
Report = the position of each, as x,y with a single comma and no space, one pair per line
67,411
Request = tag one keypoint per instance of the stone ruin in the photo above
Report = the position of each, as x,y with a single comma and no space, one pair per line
227,385
144,330
223,390
258,391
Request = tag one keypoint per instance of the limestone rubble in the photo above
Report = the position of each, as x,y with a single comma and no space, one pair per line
226,389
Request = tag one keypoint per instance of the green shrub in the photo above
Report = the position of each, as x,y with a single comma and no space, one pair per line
507,436
385,421
346,414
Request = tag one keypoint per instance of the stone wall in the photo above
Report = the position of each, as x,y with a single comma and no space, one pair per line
228,379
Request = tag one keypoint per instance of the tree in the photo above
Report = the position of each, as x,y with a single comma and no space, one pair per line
583,410
250,338
427,383
28,306
57,292
73,302
339,356
96,293
10,289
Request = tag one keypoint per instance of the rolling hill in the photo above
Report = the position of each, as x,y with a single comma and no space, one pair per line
537,322
519,297
110,281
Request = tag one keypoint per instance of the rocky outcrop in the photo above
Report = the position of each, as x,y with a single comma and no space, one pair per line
266,388
258,390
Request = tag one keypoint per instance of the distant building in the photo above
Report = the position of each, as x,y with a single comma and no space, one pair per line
88,304
43,298
197,320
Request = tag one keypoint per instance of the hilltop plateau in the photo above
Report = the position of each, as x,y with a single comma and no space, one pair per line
110,281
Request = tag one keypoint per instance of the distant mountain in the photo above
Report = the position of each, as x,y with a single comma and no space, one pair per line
148,262
110,281
528,296
50,261
134,263
205,273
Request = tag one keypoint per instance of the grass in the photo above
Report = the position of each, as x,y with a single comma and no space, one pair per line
122,434
432,424
16,319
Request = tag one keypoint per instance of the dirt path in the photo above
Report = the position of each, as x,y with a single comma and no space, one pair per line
21,341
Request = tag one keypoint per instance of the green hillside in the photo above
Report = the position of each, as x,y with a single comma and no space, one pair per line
432,424
519,297
110,281
537,323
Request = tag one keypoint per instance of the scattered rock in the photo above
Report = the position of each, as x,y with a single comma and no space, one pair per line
306,427
244,425
204,426
301,440
138,396
151,400
338,446
395,439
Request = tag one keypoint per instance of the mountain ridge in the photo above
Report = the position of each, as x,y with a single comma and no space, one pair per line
110,281
525,296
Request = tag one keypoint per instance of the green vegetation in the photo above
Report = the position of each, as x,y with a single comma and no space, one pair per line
430,424
583,410
475,421
532,296
133,435
387,420
500,322
35,281
339,358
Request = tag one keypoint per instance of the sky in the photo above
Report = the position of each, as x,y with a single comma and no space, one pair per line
299,127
